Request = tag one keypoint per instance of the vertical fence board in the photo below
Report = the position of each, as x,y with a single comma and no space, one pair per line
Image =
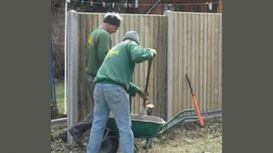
219,58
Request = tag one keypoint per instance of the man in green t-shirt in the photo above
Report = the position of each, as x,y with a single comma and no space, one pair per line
113,84
98,44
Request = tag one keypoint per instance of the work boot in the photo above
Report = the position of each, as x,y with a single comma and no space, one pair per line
76,134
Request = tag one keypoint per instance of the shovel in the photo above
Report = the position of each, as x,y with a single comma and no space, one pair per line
147,108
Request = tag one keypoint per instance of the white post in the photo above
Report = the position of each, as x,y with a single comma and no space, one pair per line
65,53
169,64
72,70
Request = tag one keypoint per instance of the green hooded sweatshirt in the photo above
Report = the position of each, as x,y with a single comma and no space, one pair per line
99,43
119,64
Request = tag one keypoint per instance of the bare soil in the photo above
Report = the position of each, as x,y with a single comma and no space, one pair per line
184,138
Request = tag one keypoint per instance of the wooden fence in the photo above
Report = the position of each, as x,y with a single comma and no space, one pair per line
185,42
194,48
153,34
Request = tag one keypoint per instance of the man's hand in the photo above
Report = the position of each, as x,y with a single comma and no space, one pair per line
153,51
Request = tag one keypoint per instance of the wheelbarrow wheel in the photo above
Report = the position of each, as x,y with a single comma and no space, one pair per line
109,145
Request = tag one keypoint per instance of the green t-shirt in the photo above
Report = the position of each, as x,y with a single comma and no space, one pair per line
99,43
119,64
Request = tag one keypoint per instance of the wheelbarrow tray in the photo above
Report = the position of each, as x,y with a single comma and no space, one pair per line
142,125
151,126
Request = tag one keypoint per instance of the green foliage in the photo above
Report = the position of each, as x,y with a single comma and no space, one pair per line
60,96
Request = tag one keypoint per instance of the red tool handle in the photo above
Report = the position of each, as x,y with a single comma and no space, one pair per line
197,109
195,103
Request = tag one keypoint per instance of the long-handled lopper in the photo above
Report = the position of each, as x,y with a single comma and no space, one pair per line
195,102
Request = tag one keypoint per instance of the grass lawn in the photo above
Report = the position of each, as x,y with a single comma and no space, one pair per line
60,96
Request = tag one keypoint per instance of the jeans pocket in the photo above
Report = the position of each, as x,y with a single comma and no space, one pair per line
114,94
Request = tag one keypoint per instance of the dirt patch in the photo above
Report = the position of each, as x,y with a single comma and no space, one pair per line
184,138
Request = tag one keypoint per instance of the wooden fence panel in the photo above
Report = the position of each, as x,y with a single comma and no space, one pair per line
153,33
196,50
185,42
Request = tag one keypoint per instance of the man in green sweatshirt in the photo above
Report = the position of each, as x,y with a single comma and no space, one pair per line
98,44
112,88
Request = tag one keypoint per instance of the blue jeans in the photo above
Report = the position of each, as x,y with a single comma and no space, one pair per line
110,97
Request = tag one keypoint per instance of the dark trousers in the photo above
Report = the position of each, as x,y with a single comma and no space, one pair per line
86,123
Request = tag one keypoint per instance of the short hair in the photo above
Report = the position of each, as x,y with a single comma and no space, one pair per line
112,18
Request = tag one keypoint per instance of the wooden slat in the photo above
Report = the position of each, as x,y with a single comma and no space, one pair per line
198,53
184,43
201,48
214,60
220,63
205,61
209,61
175,66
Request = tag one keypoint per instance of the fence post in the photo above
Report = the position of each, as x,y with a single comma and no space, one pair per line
170,21
71,71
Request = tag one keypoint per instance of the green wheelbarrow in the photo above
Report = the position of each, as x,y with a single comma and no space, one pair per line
143,126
